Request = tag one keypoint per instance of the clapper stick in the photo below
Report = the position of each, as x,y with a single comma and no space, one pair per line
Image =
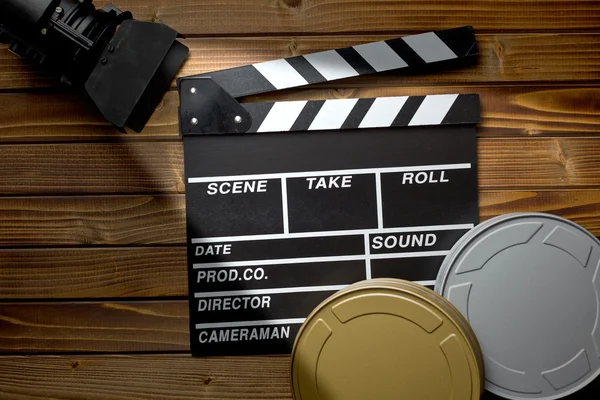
209,105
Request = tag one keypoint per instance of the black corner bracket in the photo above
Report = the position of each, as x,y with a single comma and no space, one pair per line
205,108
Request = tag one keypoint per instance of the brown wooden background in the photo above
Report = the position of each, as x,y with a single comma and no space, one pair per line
92,257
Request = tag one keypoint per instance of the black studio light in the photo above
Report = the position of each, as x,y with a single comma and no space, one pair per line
124,65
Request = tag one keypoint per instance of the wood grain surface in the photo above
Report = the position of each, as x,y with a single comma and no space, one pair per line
92,221
226,17
155,377
160,220
157,167
41,273
141,377
548,58
92,272
55,327
507,111
502,58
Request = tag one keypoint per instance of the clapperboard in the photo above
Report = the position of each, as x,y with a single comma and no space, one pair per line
289,202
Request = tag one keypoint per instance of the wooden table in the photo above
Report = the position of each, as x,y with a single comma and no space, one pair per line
92,226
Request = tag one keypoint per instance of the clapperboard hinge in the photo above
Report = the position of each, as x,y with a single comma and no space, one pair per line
208,102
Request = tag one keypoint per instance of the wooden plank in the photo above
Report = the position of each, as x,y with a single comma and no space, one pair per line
148,167
146,220
144,377
214,17
165,377
55,117
506,111
157,377
580,206
36,273
503,58
96,220
157,167
94,272
94,327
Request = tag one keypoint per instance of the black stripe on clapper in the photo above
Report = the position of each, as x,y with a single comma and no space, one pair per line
456,39
356,61
406,53
408,111
357,114
307,116
305,69
258,112
464,110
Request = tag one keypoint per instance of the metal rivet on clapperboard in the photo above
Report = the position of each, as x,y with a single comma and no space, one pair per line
386,339
529,285
194,121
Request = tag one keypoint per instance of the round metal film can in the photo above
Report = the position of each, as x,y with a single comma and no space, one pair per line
529,285
386,339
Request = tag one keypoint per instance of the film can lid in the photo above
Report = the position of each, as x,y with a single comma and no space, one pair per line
385,339
529,285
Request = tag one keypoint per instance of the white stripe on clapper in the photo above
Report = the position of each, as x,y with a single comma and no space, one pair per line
331,65
282,116
280,74
383,111
430,47
380,56
333,114
433,110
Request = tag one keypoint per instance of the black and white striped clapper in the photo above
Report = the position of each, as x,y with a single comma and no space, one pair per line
207,109
211,109
382,112
410,52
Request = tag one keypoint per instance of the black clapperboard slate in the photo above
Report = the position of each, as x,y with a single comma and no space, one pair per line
289,202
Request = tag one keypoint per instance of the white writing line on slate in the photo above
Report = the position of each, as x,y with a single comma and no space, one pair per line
307,174
299,235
